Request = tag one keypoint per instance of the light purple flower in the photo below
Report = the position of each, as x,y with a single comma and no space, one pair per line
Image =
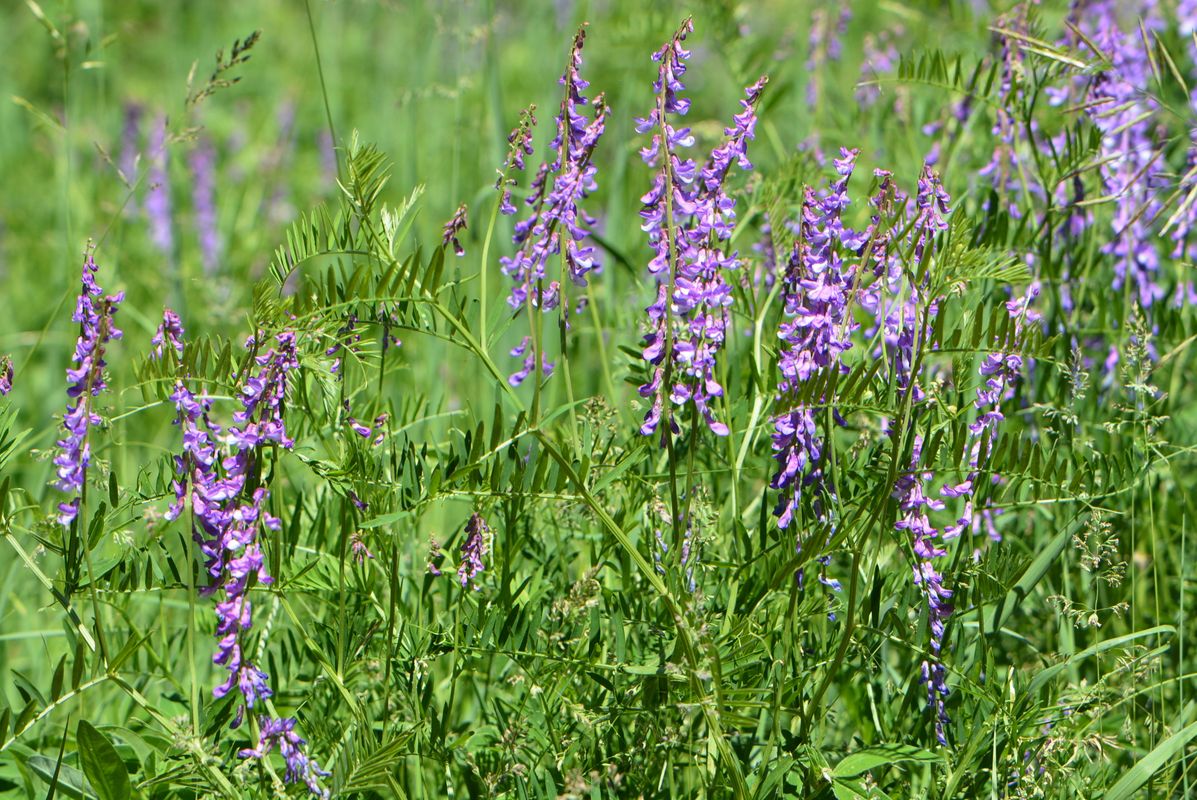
157,200
202,161
6,375
473,551
688,217
94,311
281,733
815,333
213,473
454,226
556,225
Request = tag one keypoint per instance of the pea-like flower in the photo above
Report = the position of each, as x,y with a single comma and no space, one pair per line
94,311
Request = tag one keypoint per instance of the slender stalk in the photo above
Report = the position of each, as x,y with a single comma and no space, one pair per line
332,129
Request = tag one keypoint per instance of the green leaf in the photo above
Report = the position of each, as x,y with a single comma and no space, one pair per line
882,755
101,764
1138,775
69,782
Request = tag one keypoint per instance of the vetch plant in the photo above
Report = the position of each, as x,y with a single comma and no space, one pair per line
886,495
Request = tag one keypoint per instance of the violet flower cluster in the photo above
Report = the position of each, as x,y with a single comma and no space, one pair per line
816,331
905,322
999,372
217,472
202,161
1006,170
157,199
913,507
473,550
6,375
824,45
456,224
556,225
94,311
688,217
1118,103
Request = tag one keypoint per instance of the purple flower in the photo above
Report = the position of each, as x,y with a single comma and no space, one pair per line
555,225
435,557
473,549
913,505
215,471
999,372
1119,102
170,332
94,311
1184,231
524,351
688,217
816,332
358,547
157,200
880,57
519,147
6,375
1006,170
202,161
824,45
454,226
281,733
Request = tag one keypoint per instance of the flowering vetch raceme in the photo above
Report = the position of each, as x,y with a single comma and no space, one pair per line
816,332
94,311
473,549
688,217
202,161
170,332
999,372
556,225
1118,102
455,225
157,199
219,471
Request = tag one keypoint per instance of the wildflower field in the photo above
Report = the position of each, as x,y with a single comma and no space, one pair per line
532,399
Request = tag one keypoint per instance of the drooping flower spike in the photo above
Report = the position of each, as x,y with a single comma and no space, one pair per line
455,225
473,550
815,333
556,225
688,217
94,311
6,375
213,474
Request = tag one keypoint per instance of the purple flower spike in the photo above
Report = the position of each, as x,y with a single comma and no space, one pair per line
170,332
556,226
816,332
202,161
214,472
94,311
688,218
913,505
157,200
6,375
281,733
473,550
454,226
